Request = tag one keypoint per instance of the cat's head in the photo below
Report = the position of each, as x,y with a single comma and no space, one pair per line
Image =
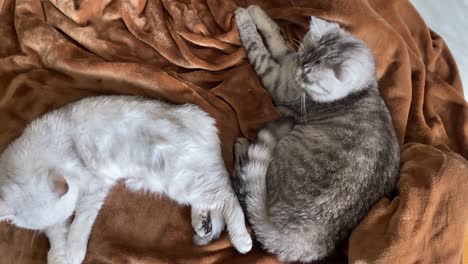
35,199
333,63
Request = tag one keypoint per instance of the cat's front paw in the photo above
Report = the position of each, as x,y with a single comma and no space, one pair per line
255,10
242,243
243,18
262,20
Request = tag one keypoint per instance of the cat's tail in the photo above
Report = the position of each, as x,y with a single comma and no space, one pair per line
249,181
252,160
251,167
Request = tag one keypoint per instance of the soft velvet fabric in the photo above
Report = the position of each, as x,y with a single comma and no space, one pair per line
188,51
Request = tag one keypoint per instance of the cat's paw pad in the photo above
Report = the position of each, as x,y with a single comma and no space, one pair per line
242,243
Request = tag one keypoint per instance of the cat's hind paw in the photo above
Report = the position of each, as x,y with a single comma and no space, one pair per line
216,222
201,222
201,241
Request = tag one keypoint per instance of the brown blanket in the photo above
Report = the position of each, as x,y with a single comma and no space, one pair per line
188,51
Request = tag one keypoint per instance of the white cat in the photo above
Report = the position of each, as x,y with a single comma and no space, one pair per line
67,161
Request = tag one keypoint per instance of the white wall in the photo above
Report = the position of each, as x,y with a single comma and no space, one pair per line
449,18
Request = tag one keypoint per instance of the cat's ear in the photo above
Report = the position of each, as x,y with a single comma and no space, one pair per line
5,211
59,183
320,27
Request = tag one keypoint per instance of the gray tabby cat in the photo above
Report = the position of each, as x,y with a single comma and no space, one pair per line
311,176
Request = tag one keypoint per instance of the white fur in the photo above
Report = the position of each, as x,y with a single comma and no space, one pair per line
153,146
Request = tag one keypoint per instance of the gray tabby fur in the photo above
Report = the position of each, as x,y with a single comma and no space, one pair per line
310,177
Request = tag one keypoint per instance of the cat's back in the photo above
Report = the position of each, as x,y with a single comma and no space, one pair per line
130,114
347,155
341,131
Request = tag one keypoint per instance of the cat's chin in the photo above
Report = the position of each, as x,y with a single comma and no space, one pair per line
327,98
328,94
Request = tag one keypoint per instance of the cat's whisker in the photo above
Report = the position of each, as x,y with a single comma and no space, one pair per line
297,44
301,47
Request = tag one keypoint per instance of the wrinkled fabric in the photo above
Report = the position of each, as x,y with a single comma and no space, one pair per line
188,51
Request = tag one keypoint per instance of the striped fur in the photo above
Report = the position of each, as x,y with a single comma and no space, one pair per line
310,177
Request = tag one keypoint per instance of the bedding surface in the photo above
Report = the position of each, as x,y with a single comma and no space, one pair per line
53,52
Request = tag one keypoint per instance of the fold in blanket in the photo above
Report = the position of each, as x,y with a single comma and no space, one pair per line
188,51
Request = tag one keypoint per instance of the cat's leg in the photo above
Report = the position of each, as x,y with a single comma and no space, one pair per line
265,66
86,212
57,235
217,226
270,30
235,222
201,222
218,196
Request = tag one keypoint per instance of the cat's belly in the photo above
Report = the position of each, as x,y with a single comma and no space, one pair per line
177,176
178,186
161,148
